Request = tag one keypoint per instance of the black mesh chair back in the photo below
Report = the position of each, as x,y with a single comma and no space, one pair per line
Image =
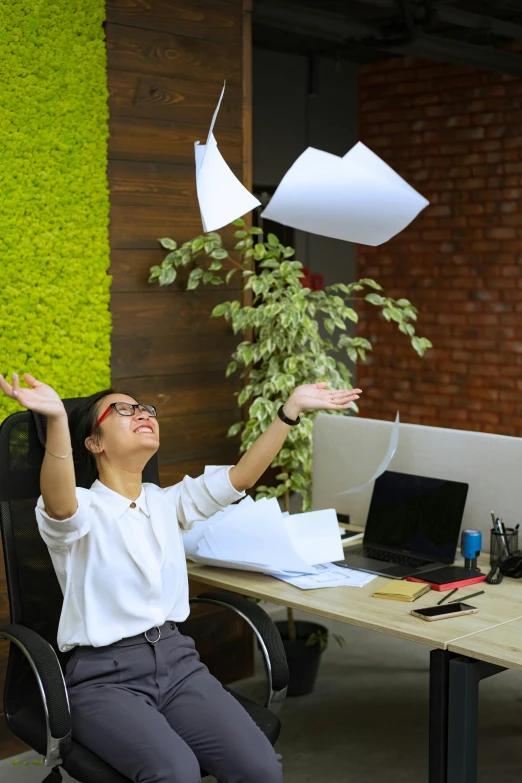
35,596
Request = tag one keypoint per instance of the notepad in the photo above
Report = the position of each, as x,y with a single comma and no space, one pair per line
402,591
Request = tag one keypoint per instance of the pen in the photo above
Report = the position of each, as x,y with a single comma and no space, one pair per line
502,525
447,596
465,598
500,530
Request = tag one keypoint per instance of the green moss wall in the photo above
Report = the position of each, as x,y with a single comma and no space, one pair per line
54,203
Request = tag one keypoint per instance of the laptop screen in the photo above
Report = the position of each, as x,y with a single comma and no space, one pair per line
417,515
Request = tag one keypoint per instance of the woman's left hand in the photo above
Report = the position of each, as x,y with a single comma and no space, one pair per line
317,396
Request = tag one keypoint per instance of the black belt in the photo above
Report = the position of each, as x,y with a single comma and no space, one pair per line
157,631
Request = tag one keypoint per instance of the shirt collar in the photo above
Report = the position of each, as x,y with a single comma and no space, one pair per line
118,503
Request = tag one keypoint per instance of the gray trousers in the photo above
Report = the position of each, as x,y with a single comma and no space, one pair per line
155,714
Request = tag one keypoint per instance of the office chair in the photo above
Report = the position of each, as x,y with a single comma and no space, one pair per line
35,696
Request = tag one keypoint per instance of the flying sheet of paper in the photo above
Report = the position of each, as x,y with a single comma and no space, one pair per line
315,535
259,536
358,198
222,198
328,575
192,537
390,453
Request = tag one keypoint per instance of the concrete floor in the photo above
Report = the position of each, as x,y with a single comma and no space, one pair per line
367,720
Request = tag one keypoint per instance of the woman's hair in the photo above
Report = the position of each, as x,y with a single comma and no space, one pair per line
81,422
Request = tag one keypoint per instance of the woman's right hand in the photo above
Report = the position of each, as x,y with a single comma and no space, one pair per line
40,398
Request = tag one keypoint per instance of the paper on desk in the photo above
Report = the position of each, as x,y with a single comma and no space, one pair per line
259,569
328,575
316,536
383,466
358,198
222,198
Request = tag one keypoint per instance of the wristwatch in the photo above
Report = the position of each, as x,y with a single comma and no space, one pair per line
284,417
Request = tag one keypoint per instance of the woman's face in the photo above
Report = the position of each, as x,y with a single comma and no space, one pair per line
124,440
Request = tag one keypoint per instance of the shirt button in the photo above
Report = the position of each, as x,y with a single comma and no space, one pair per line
133,505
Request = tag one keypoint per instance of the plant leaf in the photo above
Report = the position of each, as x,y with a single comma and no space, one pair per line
194,279
197,244
220,309
232,367
235,429
167,276
168,244
375,299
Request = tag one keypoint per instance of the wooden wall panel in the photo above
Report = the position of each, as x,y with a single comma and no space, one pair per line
165,54
133,182
163,141
210,20
140,95
167,60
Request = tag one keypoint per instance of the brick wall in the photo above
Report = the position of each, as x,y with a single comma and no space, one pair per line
456,135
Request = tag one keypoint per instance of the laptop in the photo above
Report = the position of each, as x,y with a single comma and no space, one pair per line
413,526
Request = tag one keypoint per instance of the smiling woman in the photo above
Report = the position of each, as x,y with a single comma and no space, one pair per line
104,431
117,550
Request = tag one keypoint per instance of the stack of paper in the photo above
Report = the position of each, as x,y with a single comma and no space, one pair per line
259,537
402,591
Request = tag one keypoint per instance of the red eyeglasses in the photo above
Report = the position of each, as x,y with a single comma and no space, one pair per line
126,409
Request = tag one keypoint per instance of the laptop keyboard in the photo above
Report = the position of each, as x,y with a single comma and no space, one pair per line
393,557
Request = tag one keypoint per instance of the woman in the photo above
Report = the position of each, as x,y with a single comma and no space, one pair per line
140,698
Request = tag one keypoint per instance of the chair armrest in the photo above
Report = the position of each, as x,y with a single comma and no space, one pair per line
268,637
49,676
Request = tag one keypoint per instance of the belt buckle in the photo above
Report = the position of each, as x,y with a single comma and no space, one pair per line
153,641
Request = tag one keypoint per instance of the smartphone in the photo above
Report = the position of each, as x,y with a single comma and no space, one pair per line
442,612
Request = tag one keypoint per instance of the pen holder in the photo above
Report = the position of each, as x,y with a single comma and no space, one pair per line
497,552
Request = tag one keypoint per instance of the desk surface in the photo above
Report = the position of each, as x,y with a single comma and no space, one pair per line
501,645
356,605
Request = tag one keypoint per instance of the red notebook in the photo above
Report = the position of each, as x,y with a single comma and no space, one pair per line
448,578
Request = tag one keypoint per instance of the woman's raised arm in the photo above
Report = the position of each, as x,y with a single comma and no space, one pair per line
57,479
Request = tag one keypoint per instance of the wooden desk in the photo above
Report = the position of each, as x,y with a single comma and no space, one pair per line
473,659
356,606
500,645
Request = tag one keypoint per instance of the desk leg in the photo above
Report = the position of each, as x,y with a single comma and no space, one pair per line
465,675
438,718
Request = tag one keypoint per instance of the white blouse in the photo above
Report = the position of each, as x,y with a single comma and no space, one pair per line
121,565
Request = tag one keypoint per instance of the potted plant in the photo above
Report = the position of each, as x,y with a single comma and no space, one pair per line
290,335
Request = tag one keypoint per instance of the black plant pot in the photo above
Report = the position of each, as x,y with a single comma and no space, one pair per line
303,660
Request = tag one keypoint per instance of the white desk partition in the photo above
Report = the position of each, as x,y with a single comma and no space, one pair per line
348,449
